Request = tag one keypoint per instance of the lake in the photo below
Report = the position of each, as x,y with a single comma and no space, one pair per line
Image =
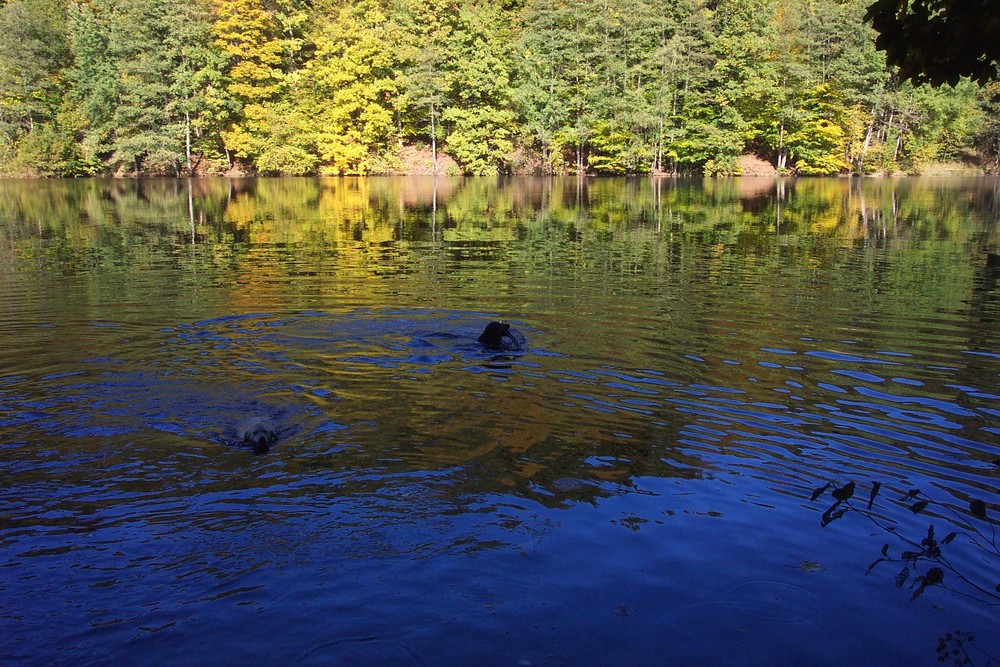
745,421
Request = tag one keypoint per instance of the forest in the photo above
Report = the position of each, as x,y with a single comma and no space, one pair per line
331,87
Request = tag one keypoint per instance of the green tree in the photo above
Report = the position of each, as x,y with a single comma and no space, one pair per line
987,139
682,62
196,81
36,137
543,81
141,77
480,117
939,123
424,75
592,86
34,51
744,79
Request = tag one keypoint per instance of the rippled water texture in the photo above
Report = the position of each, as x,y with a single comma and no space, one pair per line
727,402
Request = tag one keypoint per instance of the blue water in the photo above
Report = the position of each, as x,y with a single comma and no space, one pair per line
633,482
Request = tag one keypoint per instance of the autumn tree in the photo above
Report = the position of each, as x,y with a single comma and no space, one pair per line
348,88
258,49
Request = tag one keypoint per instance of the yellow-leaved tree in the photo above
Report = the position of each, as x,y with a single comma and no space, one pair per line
261,46
348,89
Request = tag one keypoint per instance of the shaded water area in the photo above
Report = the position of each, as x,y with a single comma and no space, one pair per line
729,399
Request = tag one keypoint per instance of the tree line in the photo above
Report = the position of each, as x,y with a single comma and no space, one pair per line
175,87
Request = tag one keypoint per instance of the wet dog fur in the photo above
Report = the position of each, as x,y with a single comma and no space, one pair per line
494,333
259,433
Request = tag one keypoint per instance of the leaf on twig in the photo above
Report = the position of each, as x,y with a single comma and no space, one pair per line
949,537
871,499
918,507
844,492
934,576
872,566
819,492
885,549
830,516
912,493
978,508
902,576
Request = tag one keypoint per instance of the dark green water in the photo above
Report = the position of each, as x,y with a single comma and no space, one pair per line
635,484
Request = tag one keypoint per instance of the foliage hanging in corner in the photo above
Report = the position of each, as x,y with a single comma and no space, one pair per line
939,41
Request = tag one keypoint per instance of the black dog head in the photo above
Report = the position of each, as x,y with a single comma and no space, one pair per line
493,334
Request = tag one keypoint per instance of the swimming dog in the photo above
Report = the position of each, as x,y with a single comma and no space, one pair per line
259,433
494,333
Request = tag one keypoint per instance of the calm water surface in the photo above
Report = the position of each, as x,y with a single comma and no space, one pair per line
636,484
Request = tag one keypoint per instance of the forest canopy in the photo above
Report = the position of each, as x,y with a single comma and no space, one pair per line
523,86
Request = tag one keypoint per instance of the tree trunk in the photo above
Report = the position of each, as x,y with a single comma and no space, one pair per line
191,209
868,140
434,150
782,153
659,147
187,139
